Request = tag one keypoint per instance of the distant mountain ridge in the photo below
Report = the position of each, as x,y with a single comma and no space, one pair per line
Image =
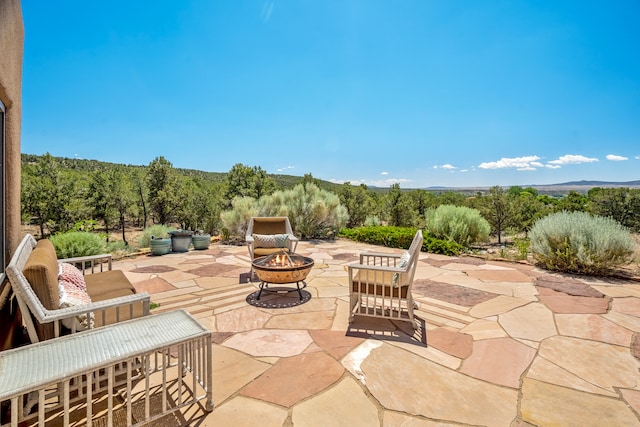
583,182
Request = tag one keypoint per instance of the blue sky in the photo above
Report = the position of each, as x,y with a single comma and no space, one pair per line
421,93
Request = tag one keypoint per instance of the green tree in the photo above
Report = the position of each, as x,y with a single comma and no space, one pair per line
163,186
122,196
101,192
621,204
358,202
527,208
246,181
141,191
451,198
422,201
46,195
498,210
572,202
400,209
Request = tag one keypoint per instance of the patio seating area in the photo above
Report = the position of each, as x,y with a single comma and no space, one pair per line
497,344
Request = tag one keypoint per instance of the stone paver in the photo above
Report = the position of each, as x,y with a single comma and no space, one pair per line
421,387
346,402
499,361
550,405
499,344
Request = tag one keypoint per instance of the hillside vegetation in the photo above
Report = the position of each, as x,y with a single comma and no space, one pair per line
61,194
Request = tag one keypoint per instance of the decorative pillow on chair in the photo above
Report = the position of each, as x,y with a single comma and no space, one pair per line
404,260
271,240
73,292
70,273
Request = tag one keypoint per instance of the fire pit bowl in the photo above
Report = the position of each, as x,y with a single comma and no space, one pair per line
280,268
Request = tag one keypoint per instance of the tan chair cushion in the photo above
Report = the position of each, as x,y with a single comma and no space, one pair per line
269,225
373,283
41,270
107,285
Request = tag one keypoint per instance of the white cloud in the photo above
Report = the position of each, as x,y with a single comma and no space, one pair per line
445,166
548,166
638,157
519,163
572,159
615,158
285,168
384,173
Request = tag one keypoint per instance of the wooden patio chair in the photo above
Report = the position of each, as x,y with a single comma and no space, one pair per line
380,283
268,235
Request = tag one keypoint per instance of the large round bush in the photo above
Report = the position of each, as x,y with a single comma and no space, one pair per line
577,242
458,224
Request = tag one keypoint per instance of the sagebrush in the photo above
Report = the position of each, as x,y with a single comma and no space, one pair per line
577,242
458,224
77,244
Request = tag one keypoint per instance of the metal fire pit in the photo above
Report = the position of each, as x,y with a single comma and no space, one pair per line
280,268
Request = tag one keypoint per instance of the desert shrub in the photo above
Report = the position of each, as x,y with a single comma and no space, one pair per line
235,220
522,245
439,246
313,212
458,224
156,230
372,220
77,243
577,242
400,237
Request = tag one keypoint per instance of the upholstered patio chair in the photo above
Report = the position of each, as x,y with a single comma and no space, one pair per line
268,235
380,283
34,276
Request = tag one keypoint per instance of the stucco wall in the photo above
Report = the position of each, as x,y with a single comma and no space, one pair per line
11,53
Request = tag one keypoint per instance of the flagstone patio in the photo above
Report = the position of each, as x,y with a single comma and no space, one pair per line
499,344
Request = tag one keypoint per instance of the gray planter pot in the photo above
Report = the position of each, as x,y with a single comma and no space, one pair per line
180,240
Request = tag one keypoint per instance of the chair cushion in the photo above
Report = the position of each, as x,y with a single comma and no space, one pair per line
269,225
107,285
378,283
41,270
271,240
